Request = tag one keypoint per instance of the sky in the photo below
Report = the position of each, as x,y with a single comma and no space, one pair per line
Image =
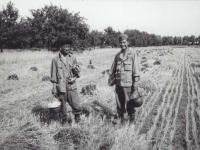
161,17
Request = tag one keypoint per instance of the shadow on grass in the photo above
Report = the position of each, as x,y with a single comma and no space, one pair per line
46,117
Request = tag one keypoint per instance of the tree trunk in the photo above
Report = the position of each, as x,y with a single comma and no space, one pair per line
1,49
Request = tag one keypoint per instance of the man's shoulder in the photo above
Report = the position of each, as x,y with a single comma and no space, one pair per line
132,50
118,54
55,57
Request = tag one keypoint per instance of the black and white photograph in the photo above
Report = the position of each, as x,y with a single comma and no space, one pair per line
99,75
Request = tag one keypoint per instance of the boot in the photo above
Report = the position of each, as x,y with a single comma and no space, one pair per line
64,120
77,118
132,119
119,119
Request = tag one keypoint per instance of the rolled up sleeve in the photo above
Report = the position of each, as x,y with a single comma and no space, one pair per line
53,72
136,65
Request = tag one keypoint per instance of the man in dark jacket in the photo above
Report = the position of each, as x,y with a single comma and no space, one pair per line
64,73
126,71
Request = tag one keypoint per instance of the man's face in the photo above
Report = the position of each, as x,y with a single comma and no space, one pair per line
123,44
66,49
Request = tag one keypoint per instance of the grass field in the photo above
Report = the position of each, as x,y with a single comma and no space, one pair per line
168,119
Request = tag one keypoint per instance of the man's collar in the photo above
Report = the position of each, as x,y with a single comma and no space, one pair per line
61,55
128,53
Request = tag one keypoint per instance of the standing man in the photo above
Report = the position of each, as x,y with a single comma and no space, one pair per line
63,77
126,71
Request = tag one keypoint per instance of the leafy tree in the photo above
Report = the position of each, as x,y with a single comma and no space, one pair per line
111,37
198,40
95,37
185,40
52,26
167,40
8,20
192,39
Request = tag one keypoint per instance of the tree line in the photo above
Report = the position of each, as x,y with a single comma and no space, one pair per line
51,26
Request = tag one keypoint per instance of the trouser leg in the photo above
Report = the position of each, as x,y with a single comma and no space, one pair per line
74,101
62,97
120,100
131,111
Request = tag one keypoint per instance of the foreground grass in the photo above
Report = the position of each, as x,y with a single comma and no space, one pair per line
25,120
26,123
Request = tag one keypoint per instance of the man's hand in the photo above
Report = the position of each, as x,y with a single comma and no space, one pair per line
54,90
135,83
72,80
135,86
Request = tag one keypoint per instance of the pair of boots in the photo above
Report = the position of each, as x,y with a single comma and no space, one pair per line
131,118
122,120
68,119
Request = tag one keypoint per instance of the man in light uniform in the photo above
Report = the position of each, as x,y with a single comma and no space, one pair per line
64,81
126,70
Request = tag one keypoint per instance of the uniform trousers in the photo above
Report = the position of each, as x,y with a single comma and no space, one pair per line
122,95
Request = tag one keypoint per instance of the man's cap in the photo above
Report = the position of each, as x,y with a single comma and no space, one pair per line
123,37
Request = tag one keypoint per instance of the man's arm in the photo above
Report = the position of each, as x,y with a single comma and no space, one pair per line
112,73
53,76
113,67
136,71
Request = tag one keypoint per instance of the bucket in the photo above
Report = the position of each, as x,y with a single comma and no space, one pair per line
54,105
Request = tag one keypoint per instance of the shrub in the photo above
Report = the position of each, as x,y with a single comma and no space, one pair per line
80,63
146,65
144,69
13,77
157,62
46,78
88,90
144,58
105,71
195,65
34,68
91,66
196,74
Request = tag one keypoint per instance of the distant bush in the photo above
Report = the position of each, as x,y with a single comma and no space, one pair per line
157,62
144,69
88,90
105,71
146,65
195,65
91,66
80,63
34,68
13,77
196,74
46,78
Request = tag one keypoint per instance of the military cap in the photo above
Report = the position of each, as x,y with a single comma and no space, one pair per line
123,37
